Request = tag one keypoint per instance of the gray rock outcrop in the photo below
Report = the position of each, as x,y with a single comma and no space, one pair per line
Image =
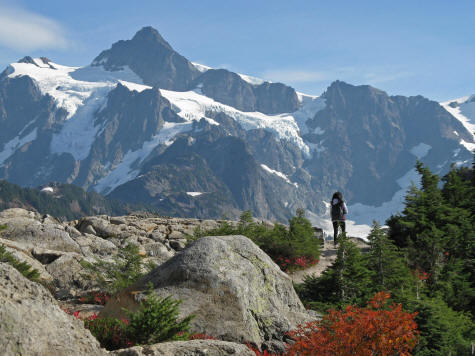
187,348
235,291
230,89
33,230
56,249
31,323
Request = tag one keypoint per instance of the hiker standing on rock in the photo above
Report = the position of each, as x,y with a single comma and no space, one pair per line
338,213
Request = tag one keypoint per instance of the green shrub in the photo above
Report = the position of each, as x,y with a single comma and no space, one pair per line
156,321
24,268
443,331
126,268
293,244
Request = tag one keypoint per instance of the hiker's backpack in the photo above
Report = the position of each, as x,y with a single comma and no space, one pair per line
337,211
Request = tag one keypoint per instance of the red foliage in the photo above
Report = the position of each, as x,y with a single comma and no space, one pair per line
421,275
374,330
95,298
264,353
292,264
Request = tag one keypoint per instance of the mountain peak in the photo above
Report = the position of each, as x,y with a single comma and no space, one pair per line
342,87
152,58
150,35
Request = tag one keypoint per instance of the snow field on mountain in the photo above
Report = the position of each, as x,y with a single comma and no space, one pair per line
465,113
81,92
194,194
128,168
365,214
191,105
279,174
16,143
79,132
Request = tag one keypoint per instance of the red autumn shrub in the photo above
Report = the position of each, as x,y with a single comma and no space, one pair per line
95,298
294,264
377,329
259,353
110,332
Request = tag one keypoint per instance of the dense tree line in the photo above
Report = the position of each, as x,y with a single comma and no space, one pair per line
425,259
68,202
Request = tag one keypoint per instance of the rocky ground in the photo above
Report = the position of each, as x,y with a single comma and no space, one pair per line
236,292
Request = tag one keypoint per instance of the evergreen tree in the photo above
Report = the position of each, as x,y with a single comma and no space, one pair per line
346,281
419,225
389,266
437,226
353,279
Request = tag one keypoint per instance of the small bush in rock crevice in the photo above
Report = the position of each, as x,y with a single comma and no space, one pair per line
126,268
155,321
24,268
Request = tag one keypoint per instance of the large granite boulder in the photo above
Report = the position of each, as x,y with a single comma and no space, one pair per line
188,348
236,292
31,323
33,230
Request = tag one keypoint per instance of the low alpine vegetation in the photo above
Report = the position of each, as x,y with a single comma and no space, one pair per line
155,321
126,268
291,248
377,329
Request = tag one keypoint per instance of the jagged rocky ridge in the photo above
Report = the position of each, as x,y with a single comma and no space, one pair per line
203,142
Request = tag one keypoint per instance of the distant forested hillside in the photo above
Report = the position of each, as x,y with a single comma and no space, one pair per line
64,201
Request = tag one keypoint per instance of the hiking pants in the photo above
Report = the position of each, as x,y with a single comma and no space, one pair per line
337,223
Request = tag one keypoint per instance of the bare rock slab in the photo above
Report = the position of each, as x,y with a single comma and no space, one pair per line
31,323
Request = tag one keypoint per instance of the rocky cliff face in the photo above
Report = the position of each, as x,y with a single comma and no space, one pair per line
230,89
369,139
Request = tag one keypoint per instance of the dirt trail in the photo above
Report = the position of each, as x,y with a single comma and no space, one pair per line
327,257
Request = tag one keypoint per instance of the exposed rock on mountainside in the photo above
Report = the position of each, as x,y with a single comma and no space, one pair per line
188,348
152,58
230,89
371,137
31,323
235,290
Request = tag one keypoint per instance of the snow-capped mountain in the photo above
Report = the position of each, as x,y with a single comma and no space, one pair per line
144,124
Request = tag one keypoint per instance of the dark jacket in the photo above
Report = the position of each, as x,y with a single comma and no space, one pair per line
338,210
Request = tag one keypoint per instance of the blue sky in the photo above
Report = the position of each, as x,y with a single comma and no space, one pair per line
404,47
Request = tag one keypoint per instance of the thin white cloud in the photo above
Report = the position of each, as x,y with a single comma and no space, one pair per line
294,76
24,30
369,75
